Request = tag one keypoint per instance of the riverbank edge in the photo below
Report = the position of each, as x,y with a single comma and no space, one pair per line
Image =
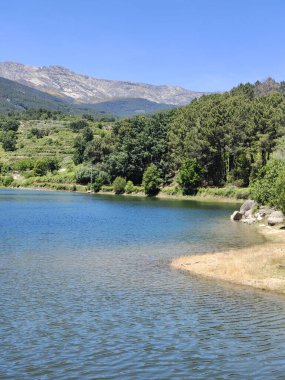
194,198
260,266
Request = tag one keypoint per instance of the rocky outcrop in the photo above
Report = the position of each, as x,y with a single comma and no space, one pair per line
276,217
247,215
248,205
236,215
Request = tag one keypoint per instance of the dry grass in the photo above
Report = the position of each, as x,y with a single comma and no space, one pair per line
260,266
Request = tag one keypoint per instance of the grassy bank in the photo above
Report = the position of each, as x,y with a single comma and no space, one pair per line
75,187
261,266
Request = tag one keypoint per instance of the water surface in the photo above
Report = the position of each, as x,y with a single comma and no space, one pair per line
87,292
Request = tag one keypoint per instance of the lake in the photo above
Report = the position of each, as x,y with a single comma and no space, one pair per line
87,292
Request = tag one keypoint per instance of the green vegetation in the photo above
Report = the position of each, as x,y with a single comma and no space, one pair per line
151,180
215,146
189,176
129,188
131,106
119,185
269,185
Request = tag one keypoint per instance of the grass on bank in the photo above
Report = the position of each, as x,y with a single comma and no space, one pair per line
261,266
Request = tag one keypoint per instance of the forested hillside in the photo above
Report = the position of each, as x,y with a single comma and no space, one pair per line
218,140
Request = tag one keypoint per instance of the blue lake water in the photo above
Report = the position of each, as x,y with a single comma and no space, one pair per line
87,292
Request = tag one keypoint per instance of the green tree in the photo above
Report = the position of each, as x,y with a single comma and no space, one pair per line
44,165
10,125
79,149
40,168
87,134
119,185
190,176
9,141
77,125
266,187
129,187
97,184
151,180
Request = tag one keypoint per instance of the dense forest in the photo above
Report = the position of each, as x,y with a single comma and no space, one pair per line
219,140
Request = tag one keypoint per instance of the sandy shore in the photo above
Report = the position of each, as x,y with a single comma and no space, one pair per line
260,266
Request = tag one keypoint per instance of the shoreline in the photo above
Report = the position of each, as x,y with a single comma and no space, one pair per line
194,198
259,266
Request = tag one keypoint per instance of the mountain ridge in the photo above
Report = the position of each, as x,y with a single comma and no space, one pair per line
15,96
62,82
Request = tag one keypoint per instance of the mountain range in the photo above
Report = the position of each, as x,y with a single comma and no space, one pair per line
69,89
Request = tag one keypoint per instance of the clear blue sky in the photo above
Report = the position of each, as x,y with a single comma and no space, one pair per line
198,44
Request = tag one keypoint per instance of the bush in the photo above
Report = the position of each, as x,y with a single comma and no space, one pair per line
7,180
83,175
171,190
107,189
40,168
4,168
129,187
227,192
87,134
38,133
76,126
138,189
119,185
151,180
44,165
9,141
190,176
266,187
280,192
10,125
97,184
24,164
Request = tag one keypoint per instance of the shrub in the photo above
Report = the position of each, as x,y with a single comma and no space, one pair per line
266,187
83,175
190,176
44,165
87,134
7,180
97,184
107,189
40,168
38,133
228,192
151,180
76,126
171,190
10,125
119,185
280,191
24,164
9,141
129,187
138,189
4,168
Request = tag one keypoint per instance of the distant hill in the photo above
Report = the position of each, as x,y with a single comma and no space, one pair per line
17,97
129,107
60,81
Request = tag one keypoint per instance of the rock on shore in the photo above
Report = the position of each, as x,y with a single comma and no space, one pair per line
250,214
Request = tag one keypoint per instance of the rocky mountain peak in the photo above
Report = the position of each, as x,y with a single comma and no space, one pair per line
61,81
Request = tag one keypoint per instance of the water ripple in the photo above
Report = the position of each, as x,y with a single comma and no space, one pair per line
78,302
